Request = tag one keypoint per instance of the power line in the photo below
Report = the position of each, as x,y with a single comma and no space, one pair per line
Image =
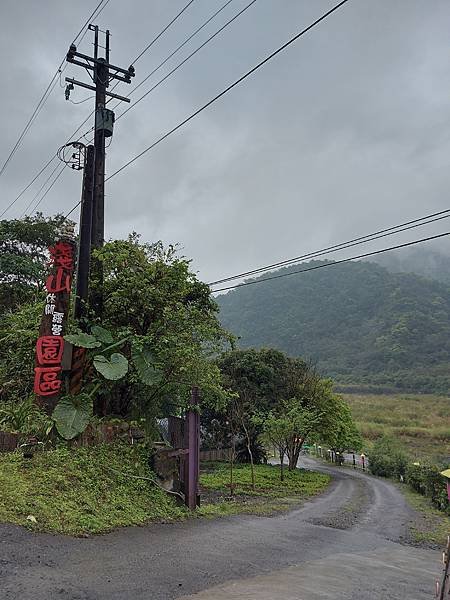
237,15
443,214
331,264
95,13
39,191
188,39
230,87
162,32
49,188
28,186
49,89
180,64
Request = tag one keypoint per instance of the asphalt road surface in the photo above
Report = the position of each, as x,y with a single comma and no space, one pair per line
351,543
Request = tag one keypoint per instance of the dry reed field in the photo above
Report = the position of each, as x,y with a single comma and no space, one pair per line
420,422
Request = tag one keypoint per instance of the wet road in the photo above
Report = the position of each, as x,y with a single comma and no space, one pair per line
350,543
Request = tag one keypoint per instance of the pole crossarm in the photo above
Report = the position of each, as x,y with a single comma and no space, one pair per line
93,88
128,73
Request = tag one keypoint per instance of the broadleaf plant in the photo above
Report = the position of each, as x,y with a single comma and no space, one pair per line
83,340
113,369
145,364
72,415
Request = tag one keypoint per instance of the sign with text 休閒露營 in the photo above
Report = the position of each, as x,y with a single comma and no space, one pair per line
50,344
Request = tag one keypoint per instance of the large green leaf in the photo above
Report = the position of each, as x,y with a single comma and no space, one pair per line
83,340
144,361
102,334
72,415
115,368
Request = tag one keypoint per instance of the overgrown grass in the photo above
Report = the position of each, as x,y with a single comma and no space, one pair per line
420,422
75,491
93,490
432,525
270,494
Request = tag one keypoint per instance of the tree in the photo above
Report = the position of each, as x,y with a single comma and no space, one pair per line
23,258
346,435
262,379
276,433
150,293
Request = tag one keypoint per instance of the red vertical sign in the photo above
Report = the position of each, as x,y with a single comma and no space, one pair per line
50,345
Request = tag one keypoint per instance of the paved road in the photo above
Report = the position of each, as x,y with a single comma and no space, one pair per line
347,544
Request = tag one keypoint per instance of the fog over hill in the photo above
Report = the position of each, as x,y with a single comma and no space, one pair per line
359,322
422,261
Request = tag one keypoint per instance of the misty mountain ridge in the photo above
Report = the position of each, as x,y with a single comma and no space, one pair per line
421,261
359,322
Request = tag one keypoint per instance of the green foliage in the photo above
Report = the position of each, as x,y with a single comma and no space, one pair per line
299,482
170,320
23,258
26,418
387,459
144,361
72,415
102,335
346,435
18,335
280,400
358,323
428,481
113,369
82,490
83,340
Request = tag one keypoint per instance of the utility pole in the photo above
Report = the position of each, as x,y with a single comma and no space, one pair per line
84,251
103,72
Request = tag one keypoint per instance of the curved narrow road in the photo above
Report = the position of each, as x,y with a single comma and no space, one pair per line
350,543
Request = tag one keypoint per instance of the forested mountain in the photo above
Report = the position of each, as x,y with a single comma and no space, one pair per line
357,321
421,261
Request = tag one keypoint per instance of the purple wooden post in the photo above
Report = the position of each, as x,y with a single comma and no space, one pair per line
193,422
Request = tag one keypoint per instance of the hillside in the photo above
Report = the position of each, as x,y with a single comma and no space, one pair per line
421,261
360,323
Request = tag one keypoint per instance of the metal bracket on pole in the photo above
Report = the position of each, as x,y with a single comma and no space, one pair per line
91,87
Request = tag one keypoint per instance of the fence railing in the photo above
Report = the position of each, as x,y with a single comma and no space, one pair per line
217,454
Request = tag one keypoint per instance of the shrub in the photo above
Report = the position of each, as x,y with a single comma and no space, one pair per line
387,459
427,480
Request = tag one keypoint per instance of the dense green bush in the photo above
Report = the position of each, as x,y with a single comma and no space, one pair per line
427,480
387,459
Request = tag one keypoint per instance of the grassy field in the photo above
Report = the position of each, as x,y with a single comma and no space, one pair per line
270,494
420,422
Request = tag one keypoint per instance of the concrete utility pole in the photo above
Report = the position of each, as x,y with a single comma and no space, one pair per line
102,74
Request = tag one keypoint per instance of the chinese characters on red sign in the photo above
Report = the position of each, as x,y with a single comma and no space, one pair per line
50,345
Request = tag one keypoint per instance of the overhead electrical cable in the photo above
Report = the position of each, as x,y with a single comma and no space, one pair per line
172,54
193,53
33,200
49,89
230,87
95,14
155,39
438,216
332,264
62,169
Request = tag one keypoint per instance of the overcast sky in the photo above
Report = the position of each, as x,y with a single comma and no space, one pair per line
346,131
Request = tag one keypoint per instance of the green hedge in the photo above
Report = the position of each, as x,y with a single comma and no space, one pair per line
387,459
428,481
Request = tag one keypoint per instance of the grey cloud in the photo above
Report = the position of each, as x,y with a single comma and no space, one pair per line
345,132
